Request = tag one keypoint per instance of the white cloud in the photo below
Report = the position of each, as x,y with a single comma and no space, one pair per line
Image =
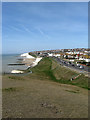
26,29
15,28
43,33
20,28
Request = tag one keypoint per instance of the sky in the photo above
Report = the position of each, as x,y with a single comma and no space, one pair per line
34,26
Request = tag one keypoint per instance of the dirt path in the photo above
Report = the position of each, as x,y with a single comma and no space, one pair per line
31,98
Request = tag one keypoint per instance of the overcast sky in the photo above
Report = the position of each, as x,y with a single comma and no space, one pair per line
39,26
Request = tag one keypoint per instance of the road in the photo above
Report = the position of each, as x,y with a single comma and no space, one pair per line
73,66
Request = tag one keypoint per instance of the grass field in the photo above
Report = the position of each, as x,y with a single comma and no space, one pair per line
51,70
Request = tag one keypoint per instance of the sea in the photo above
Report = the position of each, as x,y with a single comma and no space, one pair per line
10,59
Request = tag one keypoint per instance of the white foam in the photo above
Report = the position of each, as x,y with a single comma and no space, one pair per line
16,71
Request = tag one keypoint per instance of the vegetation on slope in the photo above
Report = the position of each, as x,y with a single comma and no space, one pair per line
50,70
32,54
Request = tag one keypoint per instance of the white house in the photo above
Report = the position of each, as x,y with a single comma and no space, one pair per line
57,55
87,60
50,54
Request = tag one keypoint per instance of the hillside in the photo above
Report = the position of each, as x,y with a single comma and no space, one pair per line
41,94
51,70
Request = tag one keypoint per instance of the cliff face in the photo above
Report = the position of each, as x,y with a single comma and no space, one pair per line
26,55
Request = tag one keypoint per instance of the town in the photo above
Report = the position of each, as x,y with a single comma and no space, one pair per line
78,58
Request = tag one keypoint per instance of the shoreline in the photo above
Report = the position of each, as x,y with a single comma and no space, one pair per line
28,60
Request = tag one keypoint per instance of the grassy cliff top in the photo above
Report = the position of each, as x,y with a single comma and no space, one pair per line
49,69
32,54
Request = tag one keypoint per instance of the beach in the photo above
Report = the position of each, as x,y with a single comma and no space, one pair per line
9,59
18,62
30,60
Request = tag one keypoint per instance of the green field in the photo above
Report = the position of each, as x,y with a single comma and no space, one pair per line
49,69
